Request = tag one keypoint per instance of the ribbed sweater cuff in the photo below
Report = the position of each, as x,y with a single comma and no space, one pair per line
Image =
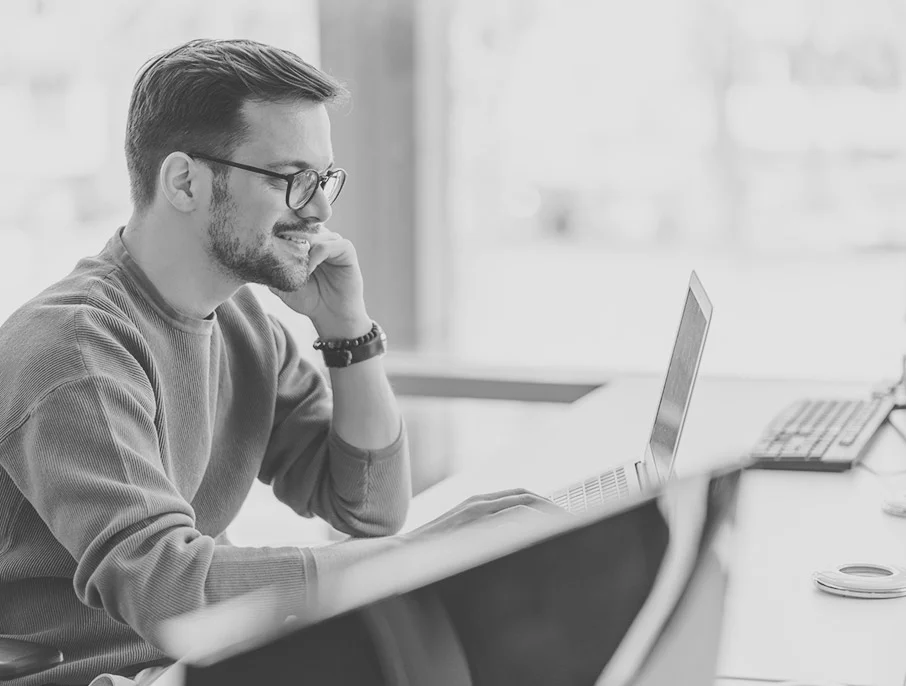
350,450
290,570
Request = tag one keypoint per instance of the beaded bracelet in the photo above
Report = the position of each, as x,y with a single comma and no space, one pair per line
342,352
348,343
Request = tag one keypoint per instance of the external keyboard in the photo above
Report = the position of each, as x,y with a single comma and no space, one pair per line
825,434
594,491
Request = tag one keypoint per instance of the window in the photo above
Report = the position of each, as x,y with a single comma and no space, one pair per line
599,151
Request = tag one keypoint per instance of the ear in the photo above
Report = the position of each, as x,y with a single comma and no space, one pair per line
183,182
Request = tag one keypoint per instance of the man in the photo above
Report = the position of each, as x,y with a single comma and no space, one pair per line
145,391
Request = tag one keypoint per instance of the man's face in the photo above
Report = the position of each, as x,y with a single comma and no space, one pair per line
248,211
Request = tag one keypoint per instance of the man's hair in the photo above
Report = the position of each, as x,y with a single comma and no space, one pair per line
190,98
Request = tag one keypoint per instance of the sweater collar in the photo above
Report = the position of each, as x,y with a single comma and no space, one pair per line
121,256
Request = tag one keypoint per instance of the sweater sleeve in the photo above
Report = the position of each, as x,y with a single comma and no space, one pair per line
87,458
314,471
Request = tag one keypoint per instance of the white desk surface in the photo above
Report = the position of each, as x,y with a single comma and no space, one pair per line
777,626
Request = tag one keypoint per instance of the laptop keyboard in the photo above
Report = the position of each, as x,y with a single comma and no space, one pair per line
592,492
820,433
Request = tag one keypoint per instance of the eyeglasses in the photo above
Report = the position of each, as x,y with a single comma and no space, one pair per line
300,186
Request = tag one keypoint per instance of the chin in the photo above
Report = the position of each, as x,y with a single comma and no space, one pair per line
288,278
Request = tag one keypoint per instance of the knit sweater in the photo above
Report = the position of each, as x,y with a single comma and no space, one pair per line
130,435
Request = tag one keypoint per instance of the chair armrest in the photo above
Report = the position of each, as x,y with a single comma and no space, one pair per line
20,658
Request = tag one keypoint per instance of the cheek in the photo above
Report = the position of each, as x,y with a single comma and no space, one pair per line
257,217
257,208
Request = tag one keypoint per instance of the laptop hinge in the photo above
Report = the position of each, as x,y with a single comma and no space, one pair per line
642,474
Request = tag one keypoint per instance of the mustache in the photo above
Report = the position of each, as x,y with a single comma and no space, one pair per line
303,226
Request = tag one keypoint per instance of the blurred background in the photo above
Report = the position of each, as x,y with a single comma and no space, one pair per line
531,181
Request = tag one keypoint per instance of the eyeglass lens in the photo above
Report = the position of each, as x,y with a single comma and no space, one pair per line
304,187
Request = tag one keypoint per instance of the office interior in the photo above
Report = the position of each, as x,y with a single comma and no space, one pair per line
530,184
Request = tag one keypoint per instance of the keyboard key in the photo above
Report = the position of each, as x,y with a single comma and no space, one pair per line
821,446
595,491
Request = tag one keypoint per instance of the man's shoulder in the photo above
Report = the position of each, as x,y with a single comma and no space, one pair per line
57,337
94,288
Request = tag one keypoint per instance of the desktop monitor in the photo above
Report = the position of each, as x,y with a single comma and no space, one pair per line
589,599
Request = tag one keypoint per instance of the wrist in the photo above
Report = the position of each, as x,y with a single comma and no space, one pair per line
346,327
343,352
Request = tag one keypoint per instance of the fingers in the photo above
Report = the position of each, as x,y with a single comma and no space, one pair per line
526,500
524,496
323,236
493,503
495,495
491,509
330,247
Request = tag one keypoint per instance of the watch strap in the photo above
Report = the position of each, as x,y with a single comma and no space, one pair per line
343,352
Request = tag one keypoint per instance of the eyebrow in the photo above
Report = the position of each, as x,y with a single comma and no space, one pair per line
299,164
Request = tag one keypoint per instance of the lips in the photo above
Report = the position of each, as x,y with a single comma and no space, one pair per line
294,236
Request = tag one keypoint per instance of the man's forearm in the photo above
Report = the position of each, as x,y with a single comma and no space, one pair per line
337,557
365,412
365,418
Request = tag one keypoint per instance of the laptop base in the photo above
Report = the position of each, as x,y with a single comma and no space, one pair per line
601,488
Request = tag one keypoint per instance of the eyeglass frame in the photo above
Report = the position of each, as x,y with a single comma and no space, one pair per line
289,178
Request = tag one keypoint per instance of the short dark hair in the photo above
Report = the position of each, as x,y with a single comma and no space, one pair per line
191,97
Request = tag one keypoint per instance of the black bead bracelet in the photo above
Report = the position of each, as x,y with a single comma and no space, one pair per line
342,352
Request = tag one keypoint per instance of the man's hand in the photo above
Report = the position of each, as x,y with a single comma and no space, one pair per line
484,508
333,295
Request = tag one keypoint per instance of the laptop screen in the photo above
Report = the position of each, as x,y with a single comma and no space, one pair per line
680,378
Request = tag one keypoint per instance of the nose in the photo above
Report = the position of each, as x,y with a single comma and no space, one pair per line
317,209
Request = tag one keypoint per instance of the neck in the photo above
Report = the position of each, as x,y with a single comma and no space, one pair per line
174,260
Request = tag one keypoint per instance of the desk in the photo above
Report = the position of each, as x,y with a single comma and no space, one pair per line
777,625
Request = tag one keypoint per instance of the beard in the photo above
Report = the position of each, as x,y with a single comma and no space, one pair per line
259,262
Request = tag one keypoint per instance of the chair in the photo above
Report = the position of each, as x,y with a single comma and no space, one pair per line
20,658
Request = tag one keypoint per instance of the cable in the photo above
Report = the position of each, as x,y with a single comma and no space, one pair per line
897,420
875,472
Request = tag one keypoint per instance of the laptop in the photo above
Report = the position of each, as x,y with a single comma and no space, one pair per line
657,463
